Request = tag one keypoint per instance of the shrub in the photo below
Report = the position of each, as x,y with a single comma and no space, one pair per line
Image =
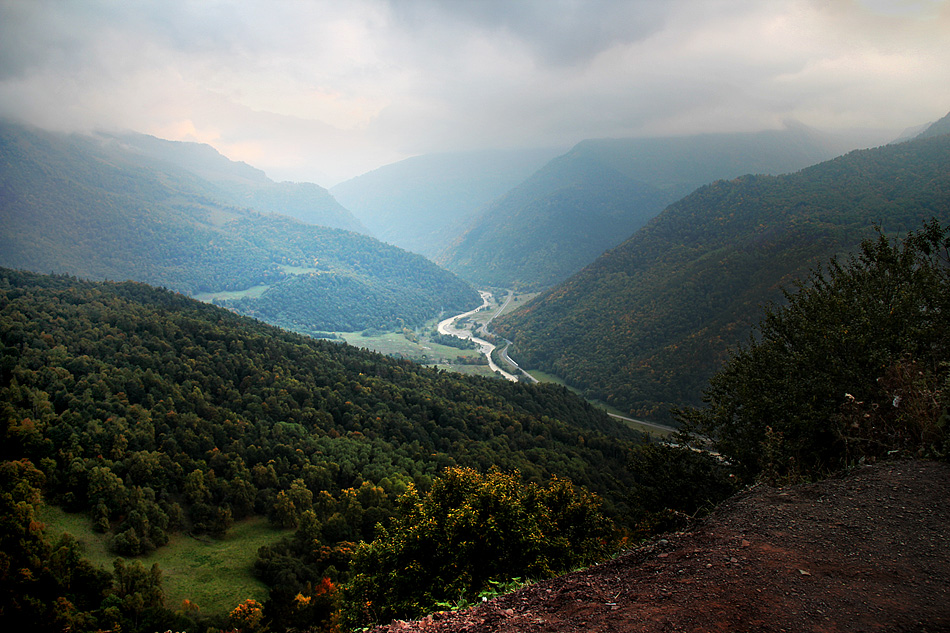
469,530
776,406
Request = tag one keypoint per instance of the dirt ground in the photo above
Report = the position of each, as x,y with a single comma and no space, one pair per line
864,551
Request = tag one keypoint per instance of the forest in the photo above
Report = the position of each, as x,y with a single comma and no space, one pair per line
646,325
151,413
91,207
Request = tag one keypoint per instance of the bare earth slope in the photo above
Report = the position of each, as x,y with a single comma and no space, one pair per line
865,551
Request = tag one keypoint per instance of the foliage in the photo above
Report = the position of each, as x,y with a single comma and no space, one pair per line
469,530
645,326
49,586
674,483
851,367
155,413
453,341
247,616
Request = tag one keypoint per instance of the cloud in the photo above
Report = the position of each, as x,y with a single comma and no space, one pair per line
324,90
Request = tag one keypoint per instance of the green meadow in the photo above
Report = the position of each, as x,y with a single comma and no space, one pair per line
215,574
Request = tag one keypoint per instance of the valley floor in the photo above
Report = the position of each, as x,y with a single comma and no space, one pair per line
866,551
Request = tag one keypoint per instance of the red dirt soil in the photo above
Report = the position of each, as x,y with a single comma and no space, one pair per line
863,551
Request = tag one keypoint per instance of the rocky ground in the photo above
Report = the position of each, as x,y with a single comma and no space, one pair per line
864,551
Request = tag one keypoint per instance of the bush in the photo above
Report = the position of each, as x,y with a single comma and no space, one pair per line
674,483
469,530
776,406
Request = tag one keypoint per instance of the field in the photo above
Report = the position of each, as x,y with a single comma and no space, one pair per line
419,349
213,573
254,292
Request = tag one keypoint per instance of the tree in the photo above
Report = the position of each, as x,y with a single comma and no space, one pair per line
471,529
776,406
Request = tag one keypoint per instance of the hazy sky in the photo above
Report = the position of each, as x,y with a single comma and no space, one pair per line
325,90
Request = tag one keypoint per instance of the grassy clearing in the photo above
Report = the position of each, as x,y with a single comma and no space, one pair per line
518,300
396,344
254,292
58,521
471,370
216,574
296,270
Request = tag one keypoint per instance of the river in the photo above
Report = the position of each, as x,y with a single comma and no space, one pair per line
448,327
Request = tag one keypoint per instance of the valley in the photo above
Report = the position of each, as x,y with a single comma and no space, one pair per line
339,430
474,317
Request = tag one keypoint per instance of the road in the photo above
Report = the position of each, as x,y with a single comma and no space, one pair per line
448,327
652,425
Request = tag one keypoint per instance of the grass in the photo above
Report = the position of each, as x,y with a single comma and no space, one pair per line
296,270
396,344
254,292
216,574
518,300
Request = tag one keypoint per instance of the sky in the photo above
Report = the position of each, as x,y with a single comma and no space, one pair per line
322,91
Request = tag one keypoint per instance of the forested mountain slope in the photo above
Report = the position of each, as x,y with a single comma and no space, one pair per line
241,185
155,413
645,325
424,202
937,128
592,198
90,207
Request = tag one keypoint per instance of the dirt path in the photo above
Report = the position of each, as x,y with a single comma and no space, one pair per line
867,551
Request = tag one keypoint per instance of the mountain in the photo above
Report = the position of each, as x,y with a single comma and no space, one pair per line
92,207
424,202
937,128
592,198
646,324
241,185
152,414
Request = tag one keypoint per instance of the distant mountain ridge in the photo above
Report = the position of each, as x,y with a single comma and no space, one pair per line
89,206
596,195
646,324
242,185
422,203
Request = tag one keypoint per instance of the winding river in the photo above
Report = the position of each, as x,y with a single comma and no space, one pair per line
448,327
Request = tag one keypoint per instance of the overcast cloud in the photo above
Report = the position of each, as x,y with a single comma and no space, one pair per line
325,90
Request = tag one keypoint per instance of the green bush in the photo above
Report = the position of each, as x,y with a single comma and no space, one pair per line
867,337
469,530
673,483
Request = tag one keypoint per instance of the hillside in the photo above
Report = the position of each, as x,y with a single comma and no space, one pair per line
240,185
645,325
860,552
424,202
152,413
96,208
593,197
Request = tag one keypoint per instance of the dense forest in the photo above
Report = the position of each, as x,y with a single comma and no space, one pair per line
93,207
593,197
153,413
647,324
